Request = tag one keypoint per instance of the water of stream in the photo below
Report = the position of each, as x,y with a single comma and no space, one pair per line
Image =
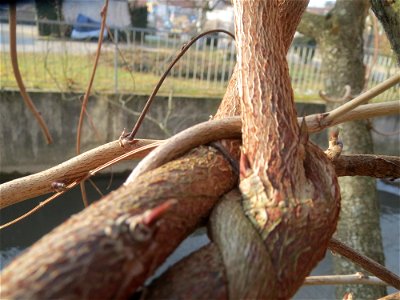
23,234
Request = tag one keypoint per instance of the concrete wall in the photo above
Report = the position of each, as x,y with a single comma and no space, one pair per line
23,148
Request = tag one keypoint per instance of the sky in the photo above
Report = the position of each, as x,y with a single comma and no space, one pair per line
317,3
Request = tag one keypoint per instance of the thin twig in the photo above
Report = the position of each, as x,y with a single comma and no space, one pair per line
391,133
78,181
14,61
69,171
36,208
120,54
380,132
96,187
160,82
89,87
40,183
368,264
87,93
83,193
91,124
345,97
349,106
358,278
159,124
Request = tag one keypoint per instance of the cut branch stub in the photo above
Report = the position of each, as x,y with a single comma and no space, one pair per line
289,188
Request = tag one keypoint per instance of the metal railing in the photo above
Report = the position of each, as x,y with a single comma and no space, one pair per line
133,59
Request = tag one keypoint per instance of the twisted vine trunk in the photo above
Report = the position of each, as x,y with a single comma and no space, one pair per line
290,190
109,249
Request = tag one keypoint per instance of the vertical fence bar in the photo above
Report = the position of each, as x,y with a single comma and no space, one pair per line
309,66
180,62
210,56
133,49
2,58
391,68
34,53
203,63
224,58
116,37
289,58
189,54
173,51
203,58
141,50
231,59
217,61
304,55
157,55
196,55
318,83
294,70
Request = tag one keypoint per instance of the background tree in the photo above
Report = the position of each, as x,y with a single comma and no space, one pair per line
388,13
49,10
339,35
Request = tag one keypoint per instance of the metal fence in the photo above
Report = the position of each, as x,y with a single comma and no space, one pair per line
133,59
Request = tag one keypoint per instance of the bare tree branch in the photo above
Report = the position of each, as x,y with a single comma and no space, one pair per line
14,61
361,99
388,13
394,296
378,166
41,183
358,278
365,262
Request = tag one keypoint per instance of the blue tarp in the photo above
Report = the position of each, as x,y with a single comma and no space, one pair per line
86,28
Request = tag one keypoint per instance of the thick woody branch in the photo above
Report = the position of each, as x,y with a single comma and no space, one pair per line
293,11
315,122
378,166
394,296
101,253
365,262
230,245
203,133
288,10
361,99
358,278
41,183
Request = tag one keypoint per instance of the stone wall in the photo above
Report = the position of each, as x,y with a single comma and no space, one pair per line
24,150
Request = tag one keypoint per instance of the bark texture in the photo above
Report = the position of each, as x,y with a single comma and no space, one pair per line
388,13
368,165
340,41
290,191
200,275
105,251
301,198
